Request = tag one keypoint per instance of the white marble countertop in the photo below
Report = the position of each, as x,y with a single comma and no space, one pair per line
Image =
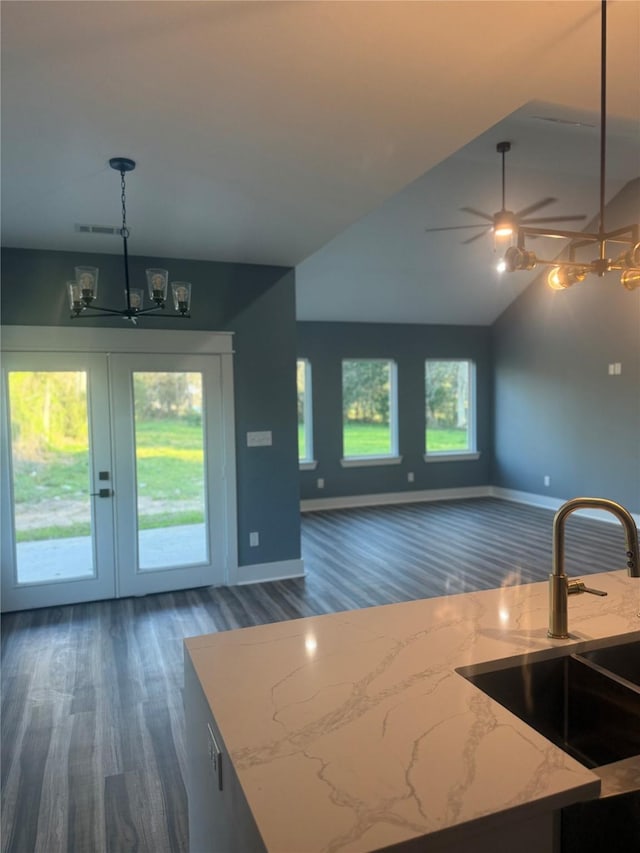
353,731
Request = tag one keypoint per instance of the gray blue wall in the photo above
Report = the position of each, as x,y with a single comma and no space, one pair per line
326,344
257,303
557,410
546,404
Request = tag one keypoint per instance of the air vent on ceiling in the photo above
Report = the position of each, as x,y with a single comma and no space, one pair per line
99,229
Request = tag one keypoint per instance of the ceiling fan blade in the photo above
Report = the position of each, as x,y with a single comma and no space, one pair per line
475,212
476,236
455,227
533,207
576,218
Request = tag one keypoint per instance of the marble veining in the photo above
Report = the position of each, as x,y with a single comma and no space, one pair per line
353,731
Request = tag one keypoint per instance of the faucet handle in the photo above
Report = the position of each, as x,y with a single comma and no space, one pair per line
578,586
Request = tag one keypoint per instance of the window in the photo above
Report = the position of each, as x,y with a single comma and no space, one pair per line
450,409
305,432
369,412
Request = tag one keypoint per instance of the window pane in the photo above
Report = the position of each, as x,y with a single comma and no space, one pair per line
170,472
366,408
301,374
447,406
51,486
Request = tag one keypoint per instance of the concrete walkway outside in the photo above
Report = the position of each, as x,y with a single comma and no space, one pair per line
60,559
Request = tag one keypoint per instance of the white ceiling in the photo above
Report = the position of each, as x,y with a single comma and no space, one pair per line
325,135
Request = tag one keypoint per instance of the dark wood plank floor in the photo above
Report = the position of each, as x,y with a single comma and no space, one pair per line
93,744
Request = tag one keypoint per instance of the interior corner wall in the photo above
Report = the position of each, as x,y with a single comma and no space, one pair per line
325,344
255,302
558,411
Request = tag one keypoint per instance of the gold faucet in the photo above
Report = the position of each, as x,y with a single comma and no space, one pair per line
559,586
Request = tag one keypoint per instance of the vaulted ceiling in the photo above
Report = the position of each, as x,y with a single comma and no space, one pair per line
322,135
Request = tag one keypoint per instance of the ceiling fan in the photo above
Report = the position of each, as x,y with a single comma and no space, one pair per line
505,222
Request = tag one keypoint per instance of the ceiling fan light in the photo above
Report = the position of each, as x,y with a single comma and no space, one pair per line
630,279
632,257
504,224
519,259
560,277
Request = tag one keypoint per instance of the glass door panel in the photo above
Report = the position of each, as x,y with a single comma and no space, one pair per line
170,469
51,482
57,542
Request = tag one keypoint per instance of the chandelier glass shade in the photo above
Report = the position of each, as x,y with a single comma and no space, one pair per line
83,290
572,269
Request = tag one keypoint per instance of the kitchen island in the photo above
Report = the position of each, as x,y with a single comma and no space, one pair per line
354,731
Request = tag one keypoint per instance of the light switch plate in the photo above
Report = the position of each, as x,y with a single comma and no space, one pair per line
259,439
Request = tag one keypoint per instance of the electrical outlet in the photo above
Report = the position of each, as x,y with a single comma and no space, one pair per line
547,480
410,477
320,483
254,539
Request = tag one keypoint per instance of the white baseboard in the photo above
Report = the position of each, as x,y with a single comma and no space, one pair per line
530,498
354,501
262,572
553,503
389,498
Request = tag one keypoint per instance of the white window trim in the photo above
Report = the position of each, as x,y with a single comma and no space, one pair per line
472,452
450,456
391,458
364,461
307,462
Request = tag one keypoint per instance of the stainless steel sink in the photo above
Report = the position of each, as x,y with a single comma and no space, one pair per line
591,712
622,660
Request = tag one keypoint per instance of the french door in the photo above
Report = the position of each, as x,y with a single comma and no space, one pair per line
114,475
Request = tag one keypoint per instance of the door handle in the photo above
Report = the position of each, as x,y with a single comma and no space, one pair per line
102,493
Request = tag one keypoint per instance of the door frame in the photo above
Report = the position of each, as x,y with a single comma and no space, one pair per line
57,339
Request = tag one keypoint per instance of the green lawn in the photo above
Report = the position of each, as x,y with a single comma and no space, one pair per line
169,468
373,439
170,456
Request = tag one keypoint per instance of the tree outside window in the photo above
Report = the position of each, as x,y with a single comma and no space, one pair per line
450,413
305,435
368,408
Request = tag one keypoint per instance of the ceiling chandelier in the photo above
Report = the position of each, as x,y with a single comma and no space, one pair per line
565,273
83,291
